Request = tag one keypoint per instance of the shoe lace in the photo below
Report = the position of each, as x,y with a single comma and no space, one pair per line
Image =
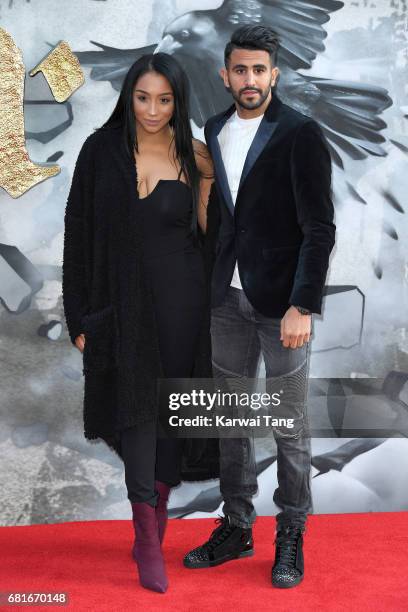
286,542
220,533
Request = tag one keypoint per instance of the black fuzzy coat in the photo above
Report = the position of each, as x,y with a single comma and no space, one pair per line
106,296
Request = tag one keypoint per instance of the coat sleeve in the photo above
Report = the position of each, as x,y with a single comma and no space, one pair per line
311,180
75,295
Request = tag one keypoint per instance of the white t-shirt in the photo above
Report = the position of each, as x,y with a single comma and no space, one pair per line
234,139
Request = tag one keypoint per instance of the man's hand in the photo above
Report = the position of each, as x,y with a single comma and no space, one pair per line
295,328
80,342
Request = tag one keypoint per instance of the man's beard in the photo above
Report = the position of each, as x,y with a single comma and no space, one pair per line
250,105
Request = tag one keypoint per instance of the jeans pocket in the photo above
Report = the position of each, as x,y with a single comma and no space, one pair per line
101,340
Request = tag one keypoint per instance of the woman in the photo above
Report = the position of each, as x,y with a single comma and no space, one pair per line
135,288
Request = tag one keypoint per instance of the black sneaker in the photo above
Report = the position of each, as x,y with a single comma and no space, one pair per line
288,568
226,542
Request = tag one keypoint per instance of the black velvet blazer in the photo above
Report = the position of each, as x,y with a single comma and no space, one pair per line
281,229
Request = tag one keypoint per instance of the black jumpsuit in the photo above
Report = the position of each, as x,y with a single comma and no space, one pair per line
176,271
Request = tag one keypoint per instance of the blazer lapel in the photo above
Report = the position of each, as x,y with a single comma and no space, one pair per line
220,173
263,135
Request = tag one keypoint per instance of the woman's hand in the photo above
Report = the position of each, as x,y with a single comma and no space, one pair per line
80,342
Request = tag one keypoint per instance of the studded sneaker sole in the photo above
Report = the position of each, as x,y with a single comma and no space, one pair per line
212,563
282,585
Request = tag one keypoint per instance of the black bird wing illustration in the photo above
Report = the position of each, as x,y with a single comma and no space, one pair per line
197,39
299,24
111,64
341,456
347,111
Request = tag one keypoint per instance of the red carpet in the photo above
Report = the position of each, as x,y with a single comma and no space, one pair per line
353,562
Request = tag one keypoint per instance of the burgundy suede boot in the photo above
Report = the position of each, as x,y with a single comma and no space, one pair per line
161,508
147,550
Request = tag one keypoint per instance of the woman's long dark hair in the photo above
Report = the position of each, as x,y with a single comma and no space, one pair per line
123,116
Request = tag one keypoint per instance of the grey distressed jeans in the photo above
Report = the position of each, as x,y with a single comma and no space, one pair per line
239,335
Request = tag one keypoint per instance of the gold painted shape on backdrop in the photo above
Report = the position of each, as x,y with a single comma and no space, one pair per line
17,172
62,70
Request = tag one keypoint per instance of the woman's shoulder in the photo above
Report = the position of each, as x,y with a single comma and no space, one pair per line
98,145
200,148
202,156
102,135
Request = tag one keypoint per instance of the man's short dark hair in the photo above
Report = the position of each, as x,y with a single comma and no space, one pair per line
253,36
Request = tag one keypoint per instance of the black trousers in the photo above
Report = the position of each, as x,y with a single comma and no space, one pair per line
146,455
147,458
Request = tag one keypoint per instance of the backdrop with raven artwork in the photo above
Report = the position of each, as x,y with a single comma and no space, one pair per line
342,63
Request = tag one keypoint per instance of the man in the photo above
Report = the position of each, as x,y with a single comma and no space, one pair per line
276,232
